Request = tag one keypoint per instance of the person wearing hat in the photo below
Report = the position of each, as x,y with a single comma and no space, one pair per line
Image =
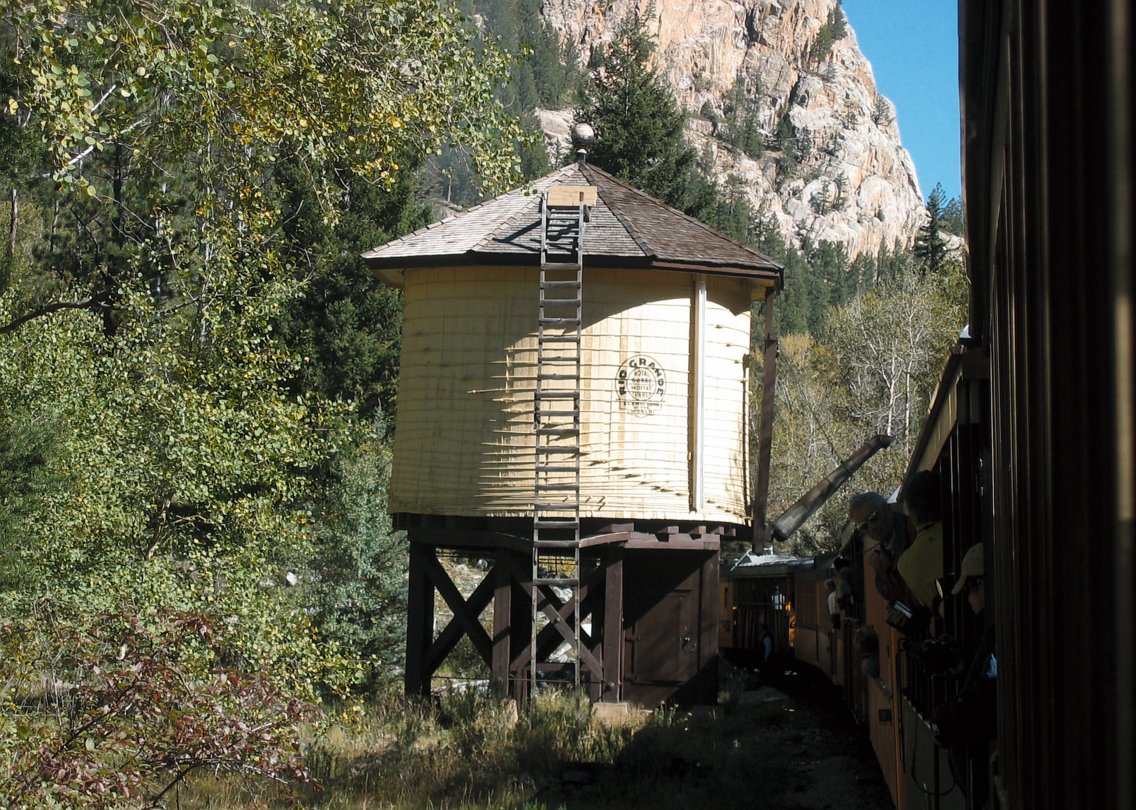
884,526
921,564
972,580
966,724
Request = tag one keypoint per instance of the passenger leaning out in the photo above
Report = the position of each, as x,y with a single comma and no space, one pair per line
921,564
885,526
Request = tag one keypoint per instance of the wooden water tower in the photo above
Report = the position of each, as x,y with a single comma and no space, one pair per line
572,406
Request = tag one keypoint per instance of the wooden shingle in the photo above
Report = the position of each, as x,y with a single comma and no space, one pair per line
627,228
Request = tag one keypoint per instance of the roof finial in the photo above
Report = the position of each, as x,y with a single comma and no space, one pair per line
582,134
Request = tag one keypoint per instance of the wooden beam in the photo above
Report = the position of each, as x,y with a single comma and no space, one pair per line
761,536
556,611
419,623
708,631
503,576
613,628
465,612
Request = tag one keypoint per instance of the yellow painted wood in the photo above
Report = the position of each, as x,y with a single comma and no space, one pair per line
463,441
565,195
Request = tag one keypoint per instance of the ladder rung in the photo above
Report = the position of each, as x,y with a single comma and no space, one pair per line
555,376
563,353
557,394
558,431
551,450
557,487
555,523
549,469
561,361
556,543
553,303
564,582
547,265
572,338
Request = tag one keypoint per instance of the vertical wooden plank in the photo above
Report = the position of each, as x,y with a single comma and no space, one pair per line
708,632
419,621
502,620
613,627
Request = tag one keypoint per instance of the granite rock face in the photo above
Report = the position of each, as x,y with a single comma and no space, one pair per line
829,164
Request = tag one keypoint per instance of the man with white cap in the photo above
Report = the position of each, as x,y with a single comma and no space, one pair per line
972,579
966,724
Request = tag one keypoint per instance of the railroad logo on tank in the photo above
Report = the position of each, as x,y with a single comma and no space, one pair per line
641,384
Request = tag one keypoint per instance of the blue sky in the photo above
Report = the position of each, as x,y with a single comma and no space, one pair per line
913,48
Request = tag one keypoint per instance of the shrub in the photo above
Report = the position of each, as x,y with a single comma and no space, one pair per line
116,713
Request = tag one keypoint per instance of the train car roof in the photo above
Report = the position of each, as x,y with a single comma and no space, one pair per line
765,565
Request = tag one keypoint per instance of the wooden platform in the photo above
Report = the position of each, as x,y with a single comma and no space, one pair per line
648,602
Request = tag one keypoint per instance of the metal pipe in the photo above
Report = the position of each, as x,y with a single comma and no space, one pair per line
792,518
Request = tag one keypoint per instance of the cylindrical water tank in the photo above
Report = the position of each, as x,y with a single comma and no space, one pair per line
663,385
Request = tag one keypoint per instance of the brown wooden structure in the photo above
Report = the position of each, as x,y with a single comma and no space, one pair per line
656,412
648,599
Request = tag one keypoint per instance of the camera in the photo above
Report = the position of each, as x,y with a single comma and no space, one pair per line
937,655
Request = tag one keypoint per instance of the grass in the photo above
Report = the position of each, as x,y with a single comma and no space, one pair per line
467,751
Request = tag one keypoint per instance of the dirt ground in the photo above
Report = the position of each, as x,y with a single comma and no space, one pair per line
826,760
788,744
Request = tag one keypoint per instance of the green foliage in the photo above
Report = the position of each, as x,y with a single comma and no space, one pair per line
930,247
188,329
639,126
553,65
360,575
346,324
882,113
560,727
871,367
835,28
115,712
740,125
952,220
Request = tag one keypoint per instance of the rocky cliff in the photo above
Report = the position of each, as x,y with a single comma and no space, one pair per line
819,147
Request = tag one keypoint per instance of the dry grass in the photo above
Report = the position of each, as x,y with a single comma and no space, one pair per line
468,752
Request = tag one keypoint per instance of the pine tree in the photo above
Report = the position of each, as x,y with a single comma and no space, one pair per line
639,126
930,247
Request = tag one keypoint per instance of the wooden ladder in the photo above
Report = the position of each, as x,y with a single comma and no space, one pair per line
556,416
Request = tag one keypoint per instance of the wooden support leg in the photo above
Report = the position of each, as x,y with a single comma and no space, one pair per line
613,629
419,622
502,624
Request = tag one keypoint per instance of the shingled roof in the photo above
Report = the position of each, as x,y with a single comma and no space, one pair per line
627,228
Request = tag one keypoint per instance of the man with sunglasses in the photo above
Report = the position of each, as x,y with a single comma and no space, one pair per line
886,526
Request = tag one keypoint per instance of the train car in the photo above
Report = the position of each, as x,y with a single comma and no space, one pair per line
894,682
1033,431
1049,153
758,595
